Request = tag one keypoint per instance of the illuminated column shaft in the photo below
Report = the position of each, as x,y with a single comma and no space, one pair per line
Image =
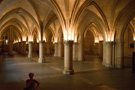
107,54
30,50
119,62
75,51
100,49
68,58
10,47
41,52
24,47
80,51
60,50
56,49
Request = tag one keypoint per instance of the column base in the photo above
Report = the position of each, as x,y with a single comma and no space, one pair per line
107,65
29,56
75,59
41,60
55,55
68,72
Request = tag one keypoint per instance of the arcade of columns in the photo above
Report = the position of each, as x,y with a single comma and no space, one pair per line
65,23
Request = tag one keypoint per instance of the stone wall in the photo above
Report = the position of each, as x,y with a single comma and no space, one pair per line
128,40
89,46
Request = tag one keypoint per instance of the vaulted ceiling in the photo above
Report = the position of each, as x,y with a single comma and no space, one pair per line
73,17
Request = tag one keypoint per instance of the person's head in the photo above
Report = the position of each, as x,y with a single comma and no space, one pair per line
31,75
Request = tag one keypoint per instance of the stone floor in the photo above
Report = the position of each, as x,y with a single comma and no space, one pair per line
89,74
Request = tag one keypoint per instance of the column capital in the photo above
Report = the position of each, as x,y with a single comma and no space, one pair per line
68,42
56,43
108,42
30,42
42,41
101,41
23,41
76,43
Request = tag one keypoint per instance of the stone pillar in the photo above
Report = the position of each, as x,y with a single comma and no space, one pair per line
24,47
100,49
80,51
75,51
107,54
60,50
30,50
68,58
41,52
56,49
10,47
119,56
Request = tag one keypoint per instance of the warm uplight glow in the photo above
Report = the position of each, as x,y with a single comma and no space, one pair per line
30,38
96,39
16,41
56,40
6,41
69,34
75,39
19,40
134,38
44,39
24,39
101,38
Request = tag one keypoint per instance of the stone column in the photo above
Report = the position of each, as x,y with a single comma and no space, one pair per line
75,51
100,49
56,49
107,54
24,47
68,58
80,51
60,50
41,52
30,50
10,47
119,62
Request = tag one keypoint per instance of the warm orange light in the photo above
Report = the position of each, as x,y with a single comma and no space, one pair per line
24,39
44,39
75,39
56,40
134,37
30,38
69,34
19,40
